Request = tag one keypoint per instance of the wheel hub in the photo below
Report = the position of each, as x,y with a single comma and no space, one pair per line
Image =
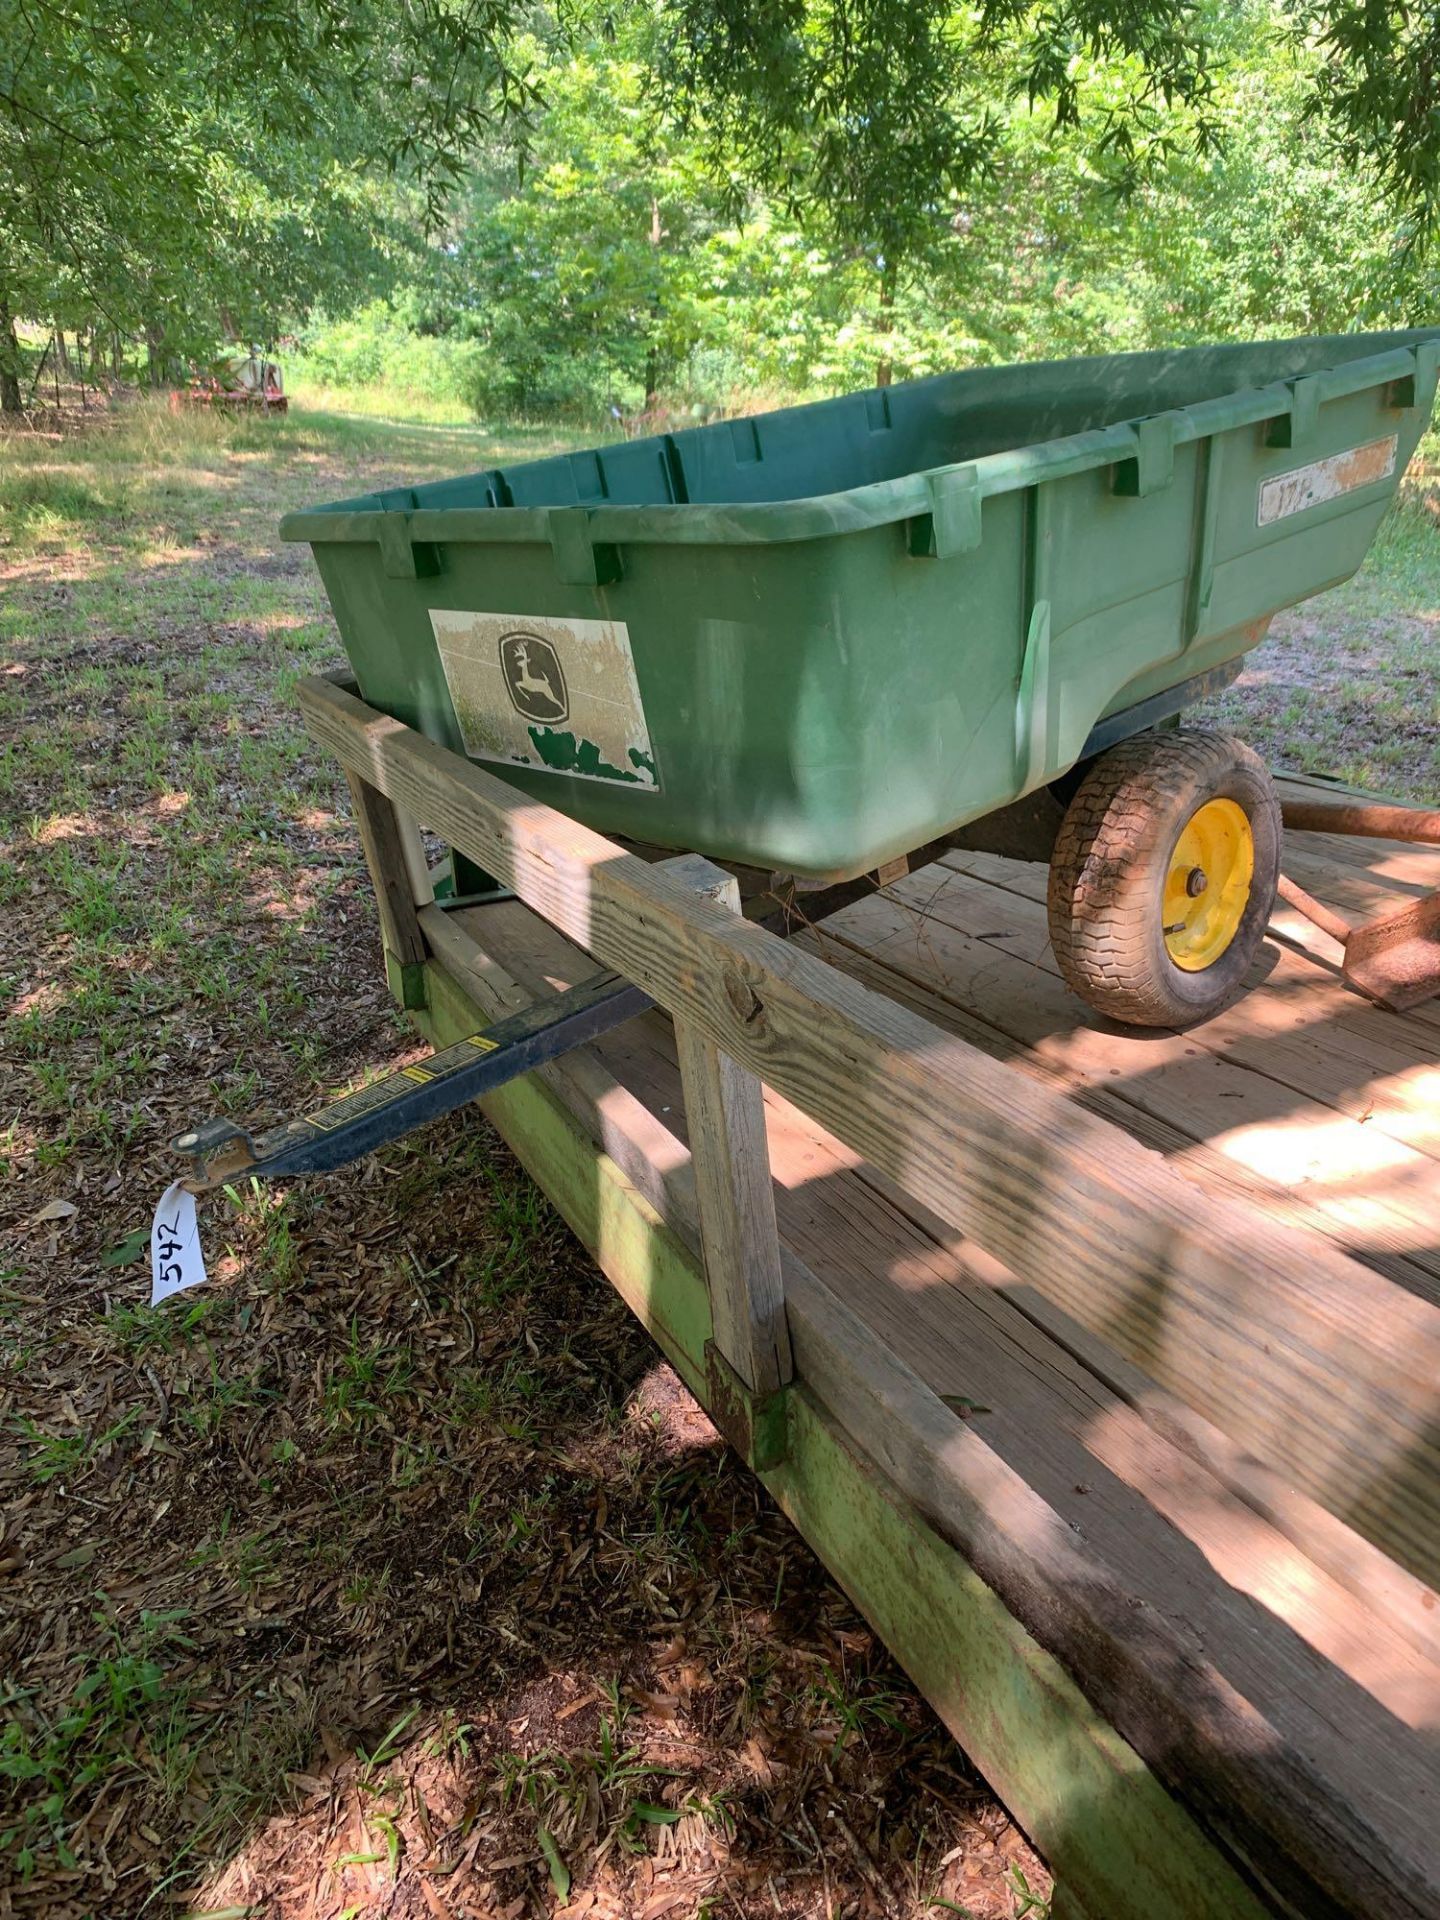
1207,885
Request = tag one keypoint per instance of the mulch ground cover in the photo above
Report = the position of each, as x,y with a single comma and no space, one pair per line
391,1573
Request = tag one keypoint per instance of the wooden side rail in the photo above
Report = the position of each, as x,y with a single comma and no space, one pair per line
738,1238
1322,1368
1226,1719
739,1242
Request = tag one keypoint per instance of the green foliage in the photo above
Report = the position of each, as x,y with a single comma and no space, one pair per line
48,1766
875,115
619,267
673,206
180,174
1374,94
376,347
584,276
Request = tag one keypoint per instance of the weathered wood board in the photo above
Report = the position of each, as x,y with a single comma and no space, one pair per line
1111,1833
1325,1369
1275,1678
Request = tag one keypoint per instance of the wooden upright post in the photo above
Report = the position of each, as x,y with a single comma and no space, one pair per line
382,836
725,1115
1322,1367
412,848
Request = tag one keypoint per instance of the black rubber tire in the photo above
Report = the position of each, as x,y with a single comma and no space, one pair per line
1107,875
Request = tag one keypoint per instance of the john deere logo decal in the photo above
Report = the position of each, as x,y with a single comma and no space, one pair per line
556,695
534,678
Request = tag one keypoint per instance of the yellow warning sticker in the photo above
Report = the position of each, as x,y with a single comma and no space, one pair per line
416,1073
379,1094
482,1041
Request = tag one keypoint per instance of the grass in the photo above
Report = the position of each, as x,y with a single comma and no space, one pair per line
122,1690
392,1559
1347,684
313,395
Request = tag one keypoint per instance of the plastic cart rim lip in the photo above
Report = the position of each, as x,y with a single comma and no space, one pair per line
858,509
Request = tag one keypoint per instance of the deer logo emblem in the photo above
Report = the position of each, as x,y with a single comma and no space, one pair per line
534,678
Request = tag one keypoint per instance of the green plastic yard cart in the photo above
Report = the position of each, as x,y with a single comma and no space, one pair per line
811,642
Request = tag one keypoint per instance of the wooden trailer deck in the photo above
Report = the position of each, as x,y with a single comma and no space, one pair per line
1134,1474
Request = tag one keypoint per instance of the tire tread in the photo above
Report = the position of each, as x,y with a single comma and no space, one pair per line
1121,820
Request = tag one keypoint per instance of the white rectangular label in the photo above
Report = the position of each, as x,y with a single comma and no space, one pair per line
558,695
1325,480
176,1259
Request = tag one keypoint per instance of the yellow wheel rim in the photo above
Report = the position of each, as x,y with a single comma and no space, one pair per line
1207,886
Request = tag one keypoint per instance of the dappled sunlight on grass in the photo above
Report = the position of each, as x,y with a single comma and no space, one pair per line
67,568
669,1415
284,895
39,1002
282,623
64,826
167,553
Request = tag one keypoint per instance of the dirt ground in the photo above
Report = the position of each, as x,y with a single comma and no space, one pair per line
391,1573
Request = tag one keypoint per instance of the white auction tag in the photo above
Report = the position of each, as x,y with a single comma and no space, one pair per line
176,1259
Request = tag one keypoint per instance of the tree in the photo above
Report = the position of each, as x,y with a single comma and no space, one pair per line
1374,94
583,272
876,117
884,120
144,153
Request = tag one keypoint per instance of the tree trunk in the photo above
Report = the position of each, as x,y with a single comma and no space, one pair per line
885,367
62,354
9,361
652,354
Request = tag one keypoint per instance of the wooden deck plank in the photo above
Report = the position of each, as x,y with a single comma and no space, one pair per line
833,1209
918,1295
1297,1723
1326,1369
1307,1032
1063,1431
1101,1096
1233,1121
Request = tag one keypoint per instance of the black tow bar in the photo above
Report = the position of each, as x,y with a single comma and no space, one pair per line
350,1128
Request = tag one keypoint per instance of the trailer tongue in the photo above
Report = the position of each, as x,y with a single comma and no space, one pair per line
351,1127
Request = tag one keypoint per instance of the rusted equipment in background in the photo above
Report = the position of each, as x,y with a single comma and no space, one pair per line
1393,959
246,381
